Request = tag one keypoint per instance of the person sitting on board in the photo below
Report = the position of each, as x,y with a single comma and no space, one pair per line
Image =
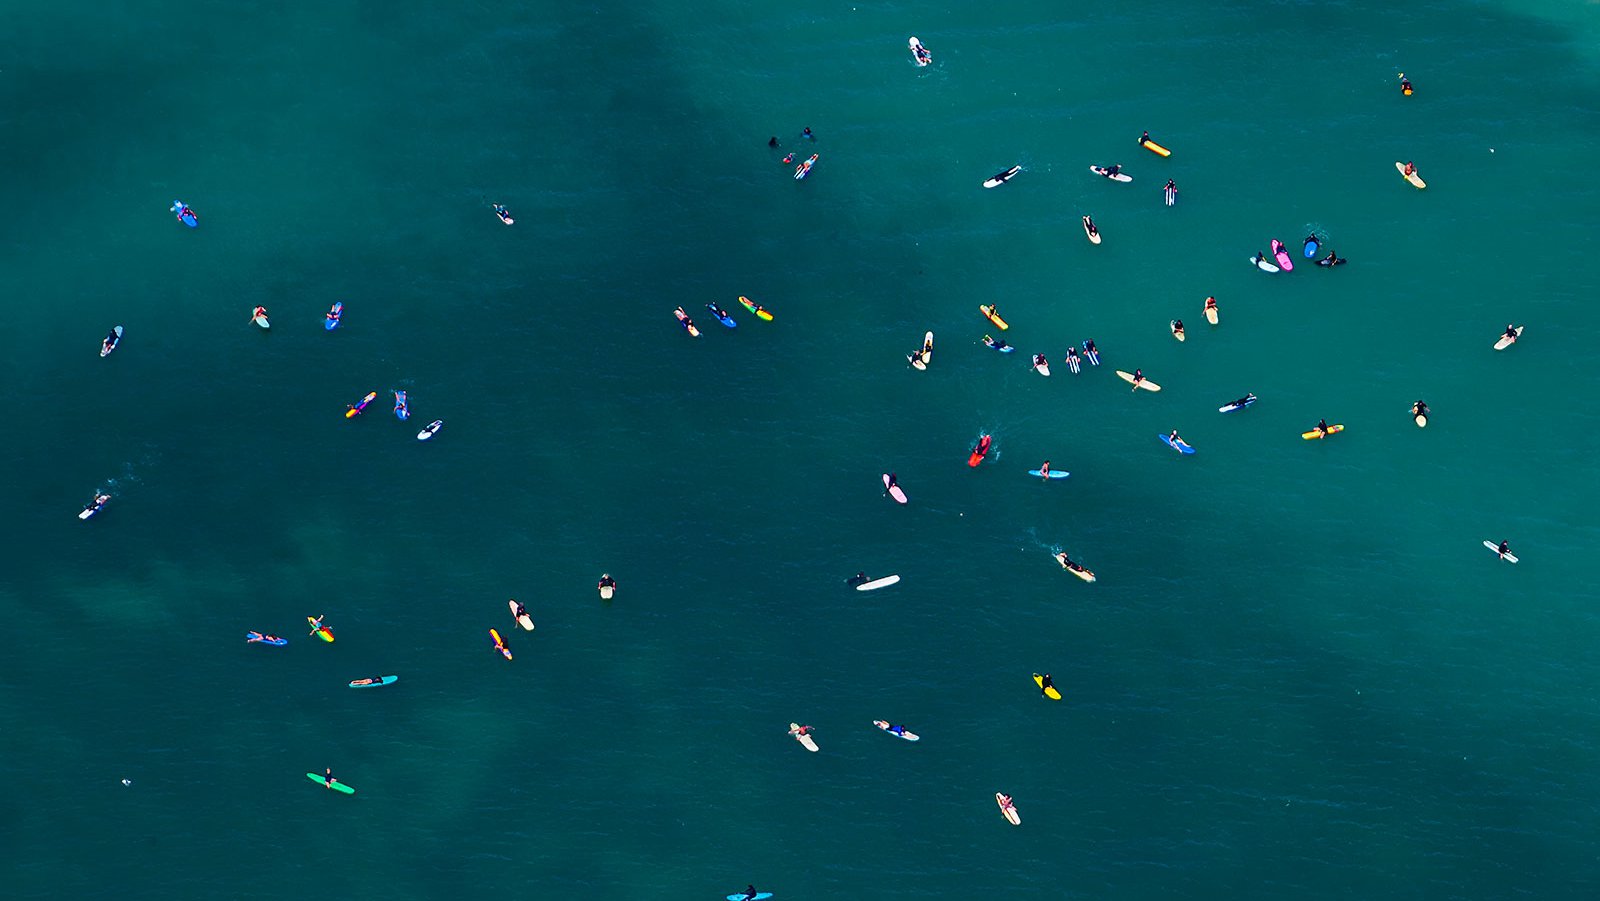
1405,85
1411,168
607,582
1243,400
1072,355
1177,326
1505,548
1322,426
898,730
1143,138
1419,409
1046,683
258,312
750,889
806,133
332,315
1113,170
857,579
1211,303
1039,360
1511,331
1005,802
1331,259
327,775
1088,223
1171,186
1064,560
108,341
916,357
521,611
997,345
1174,437
1138,376
1044,470
801,730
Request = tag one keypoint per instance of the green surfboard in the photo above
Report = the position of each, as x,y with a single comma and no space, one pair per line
337,786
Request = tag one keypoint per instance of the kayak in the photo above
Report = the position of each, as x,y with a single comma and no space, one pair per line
504,214
100,501
1146,384
1041,365
1050,692
1171,195
331,321
500,645
990,314
1312,246
1179,445
893,490
322,632
1504,342
1154,148
686,322
430,430
755,308
920,56
355,411
259,317
997,345
1282,256
109,342
804,169
1089,230
981,451
1413,178
525,621
722,316
401,411
1172,326
1332,429
1106,173
1001,178
1054,474
908,736
1237,405
1262,264
185,215
1092,352
1008,808
805,740
259,638
1508,557
374,682
876,584
337,786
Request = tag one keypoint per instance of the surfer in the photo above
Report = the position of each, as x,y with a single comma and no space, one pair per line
859,578
1411,168
1006,804
1138,376
521,612
1174,437
1072,358
916,357
1142,139
1088,346
1419,409
1171,186
1177,327
997,345
258,313
750,889
799,731
1504,548
1405,85
788,158
1211,303
806,133
1045,683
1322,426
1243,400
1044,470
607,582
1112,170
1039,360
1331,260
1511,331
327,774
332,315
1064,560
772,141
108,342
892,483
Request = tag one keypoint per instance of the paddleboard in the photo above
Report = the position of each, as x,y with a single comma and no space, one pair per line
894,490
1002,177
1009,810
1054,474
917,51
908,736
606,591
1041,365
335,313
1050,692
805,740
109,343
1419,183
760,896
355,411
1181,446
1146,384
377,682
1211,315
1502,344
1494,546
1155,148
1102,173
525,621
804,169
722,315
686,322
1262,264
319,779
1090,231
1092,352
1311,246
322,632
499,644
1282,256
1172,326
1332,430
876,584
1229,408
430,430
758,309
989,314
261,638
1171,195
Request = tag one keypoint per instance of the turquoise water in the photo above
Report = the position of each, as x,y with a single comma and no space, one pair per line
1299,674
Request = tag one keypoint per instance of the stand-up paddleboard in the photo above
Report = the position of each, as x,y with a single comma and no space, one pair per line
1001,178
919,53
876,584
722,315
1170,194
374,682
323,632
1281,254
1146,384
321,780
1153,147
893,490
1054,474
110,341
1311,247
261,638
1180,445
429,430
503,214
499,644
981,450
903,733
805,740
686,322
1172,326
1050,692
1504,342
990,314
1092,352
1211,315
760,896
356,409
1332,430
804,169
259,317
1238,404
335,313
1091,231
1508,557
1102,172
100,500
1076,569
606,591
402,409
758,309
1419,183
1041,365
1073,363
525,621
185,215
1261,263
1008,809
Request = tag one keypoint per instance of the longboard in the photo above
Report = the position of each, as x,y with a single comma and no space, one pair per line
1054,474
804,740
1506,342
1102,173
1050,692
908,736
116,338
525,621
1146,384
1508,557
321,780
1418,182
377,682
894,490
1263,265
500,645
989,314
1009,811
876,584
1002,177
1332,430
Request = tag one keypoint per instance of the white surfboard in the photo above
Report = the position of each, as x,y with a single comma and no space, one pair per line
524,620
1102,173
606,591
876,584
1493,546
804,740
904,733
1146,384
430,430
894,490
1263,265
1041,365
1506,341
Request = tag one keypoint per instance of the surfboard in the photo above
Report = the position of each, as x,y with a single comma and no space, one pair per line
1262,264
1211,315
525,621
1009,811
1311,246
321,780
1172,326
804,740
1181,446
989,314
1155,148
1418,182
980,450
1146,384
894,490
1041,365
908,736
927,348
1001,178
1281,254
760,896
1506,342
1100,171
1054,474
1493,546
376,682
1092,233
917,58
1050,692
322,632
116,339
1076,569
1171,195
500,645
1229,408
876,584
1332,430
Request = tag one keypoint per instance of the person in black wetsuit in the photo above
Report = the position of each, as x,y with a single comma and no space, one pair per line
1331,259
857,579
1046,682
1504,548
750,891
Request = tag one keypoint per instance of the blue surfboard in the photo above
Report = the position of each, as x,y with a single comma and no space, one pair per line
722,317
337,311
1180,445
1092,353
185,215
761,896
1311,246
1054,474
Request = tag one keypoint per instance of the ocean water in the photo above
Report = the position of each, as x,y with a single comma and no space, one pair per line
1299,674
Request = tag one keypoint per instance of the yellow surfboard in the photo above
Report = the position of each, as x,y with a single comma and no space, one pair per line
989,314
1050,692
1155,148
1316,434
